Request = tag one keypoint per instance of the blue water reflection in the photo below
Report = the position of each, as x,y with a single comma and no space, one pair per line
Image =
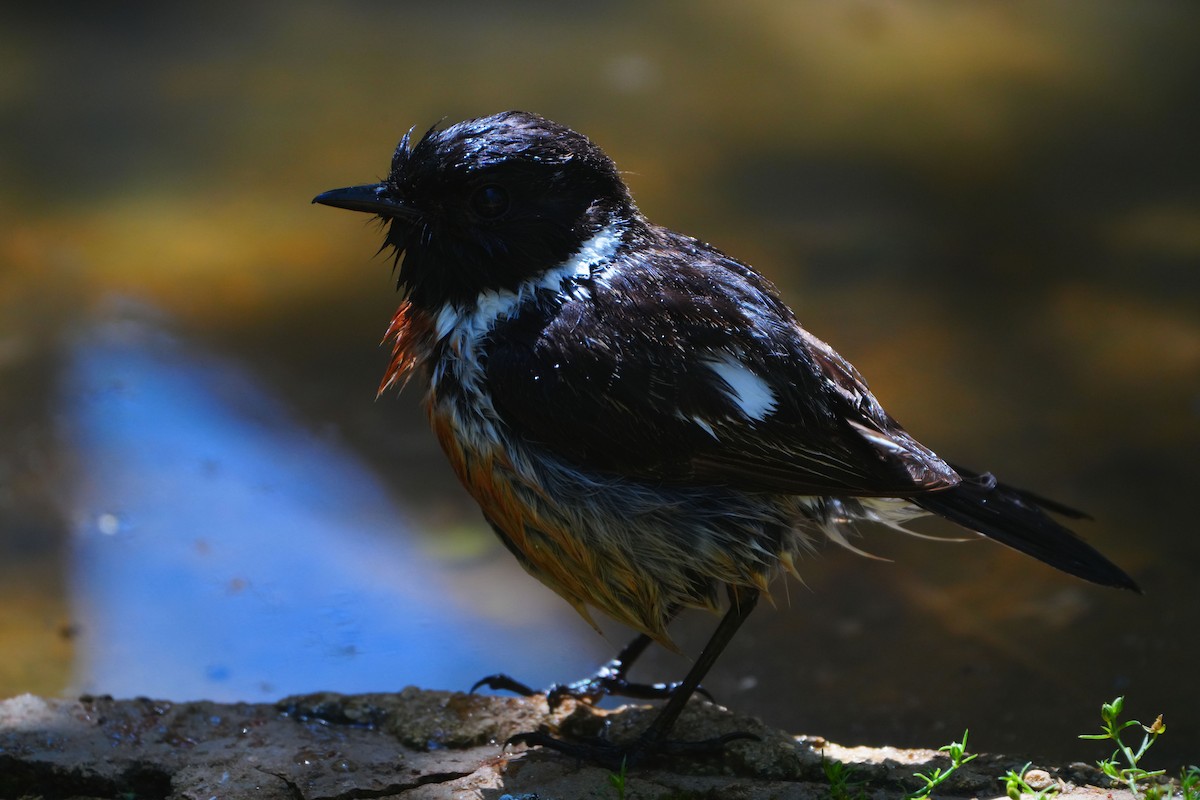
221,550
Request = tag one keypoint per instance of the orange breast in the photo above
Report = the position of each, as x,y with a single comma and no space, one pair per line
411,334
512,502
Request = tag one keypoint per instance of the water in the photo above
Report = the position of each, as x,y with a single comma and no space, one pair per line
219,550
992,210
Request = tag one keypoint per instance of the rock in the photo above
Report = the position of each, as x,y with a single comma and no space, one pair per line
423,744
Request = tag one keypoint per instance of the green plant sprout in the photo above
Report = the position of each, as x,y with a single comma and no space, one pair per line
1189,783
958,757
844,781
1131,775
1015,786
617,779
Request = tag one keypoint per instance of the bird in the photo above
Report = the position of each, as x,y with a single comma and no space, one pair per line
641,418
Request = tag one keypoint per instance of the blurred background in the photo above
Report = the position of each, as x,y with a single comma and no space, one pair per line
992,209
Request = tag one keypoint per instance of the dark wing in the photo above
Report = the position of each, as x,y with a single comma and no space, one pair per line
692,371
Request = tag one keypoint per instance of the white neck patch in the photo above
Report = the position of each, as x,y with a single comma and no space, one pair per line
497,304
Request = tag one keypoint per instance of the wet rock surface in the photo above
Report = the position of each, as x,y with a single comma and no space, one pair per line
426,744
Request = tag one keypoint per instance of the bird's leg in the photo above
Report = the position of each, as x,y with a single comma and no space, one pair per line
654,739
609,679
609,676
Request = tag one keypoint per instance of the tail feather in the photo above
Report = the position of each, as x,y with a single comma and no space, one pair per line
1018,518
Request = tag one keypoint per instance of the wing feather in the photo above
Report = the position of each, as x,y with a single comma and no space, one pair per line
695,372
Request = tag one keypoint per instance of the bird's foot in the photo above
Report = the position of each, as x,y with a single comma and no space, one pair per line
503,683
607,681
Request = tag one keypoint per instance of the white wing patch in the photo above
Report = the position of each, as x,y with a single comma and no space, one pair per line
748,390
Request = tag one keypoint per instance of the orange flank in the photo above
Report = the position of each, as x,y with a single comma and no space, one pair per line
489,477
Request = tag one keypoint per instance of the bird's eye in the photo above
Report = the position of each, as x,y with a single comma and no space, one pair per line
490,201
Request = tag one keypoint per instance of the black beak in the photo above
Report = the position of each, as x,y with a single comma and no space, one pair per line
373,198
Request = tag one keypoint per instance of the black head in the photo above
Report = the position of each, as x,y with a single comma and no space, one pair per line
489,203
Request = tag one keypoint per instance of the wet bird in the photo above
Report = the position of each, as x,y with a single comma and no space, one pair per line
641,418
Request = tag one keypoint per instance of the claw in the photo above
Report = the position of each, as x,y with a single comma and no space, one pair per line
503,683
590,690
608,680
653,740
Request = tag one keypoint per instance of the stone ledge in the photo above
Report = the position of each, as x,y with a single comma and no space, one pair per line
421,744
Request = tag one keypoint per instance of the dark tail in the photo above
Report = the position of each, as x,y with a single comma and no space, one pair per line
1018,519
